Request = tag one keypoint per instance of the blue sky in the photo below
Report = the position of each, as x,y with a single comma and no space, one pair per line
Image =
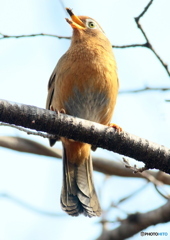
25,67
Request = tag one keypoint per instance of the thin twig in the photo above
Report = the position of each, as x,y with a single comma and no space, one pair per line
3,36
130,45
143,172
145,89
29,132
148,44
30,207
145,9
134,168
131,194
62,5
164,195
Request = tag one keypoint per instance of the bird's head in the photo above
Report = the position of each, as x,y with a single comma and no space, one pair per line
84,27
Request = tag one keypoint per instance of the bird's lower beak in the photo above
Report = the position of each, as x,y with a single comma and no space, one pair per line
75,22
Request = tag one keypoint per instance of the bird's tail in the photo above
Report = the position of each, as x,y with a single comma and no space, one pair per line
78,193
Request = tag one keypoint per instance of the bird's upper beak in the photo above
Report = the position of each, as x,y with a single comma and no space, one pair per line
75,22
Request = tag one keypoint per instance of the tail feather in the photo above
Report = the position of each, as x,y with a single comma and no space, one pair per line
85,185
78,193
69,202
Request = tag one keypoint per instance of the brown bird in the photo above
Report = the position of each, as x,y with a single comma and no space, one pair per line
83,84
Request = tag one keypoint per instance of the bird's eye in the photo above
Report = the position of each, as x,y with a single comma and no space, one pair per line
91,25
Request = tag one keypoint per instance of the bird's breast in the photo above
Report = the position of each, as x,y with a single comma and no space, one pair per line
89,104
87,86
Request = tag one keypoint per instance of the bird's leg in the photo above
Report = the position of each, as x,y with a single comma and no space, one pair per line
57,112
113,125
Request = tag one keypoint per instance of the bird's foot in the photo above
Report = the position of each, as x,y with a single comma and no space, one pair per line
113,125
51,108
63,111
55,110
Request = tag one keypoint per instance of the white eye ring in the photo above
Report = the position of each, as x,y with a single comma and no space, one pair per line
91,24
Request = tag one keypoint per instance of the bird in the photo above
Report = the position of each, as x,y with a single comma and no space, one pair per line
84,84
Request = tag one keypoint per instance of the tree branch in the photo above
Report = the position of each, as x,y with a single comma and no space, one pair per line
29,132
152,154
129,45
102,165
137,222
148,43
28,146
4,36
145,10
145,89
30,207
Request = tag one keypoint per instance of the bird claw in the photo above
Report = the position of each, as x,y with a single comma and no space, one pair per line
55,110
113,125
63,111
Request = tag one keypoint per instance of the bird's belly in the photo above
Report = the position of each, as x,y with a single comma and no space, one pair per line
89,104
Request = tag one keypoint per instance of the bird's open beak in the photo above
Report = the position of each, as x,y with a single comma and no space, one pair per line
75,22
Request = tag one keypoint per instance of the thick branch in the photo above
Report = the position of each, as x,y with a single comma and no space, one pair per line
102,165
28,146
152,154
137,222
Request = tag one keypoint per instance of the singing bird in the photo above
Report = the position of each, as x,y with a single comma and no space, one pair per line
83,84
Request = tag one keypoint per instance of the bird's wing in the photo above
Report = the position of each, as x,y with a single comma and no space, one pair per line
57,72
50,89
